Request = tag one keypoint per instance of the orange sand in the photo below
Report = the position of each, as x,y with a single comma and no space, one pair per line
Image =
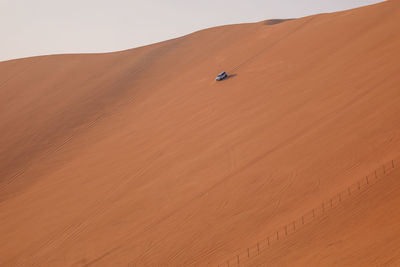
140,158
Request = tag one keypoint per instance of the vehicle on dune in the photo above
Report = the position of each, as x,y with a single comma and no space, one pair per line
223,75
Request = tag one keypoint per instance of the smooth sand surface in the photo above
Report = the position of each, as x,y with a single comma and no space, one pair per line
141,158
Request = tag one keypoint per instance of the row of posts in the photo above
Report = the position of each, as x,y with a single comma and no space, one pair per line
313,215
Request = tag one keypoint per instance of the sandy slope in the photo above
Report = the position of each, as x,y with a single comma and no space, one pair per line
139,157
362,231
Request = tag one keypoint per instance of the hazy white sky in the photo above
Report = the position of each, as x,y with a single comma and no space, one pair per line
37,27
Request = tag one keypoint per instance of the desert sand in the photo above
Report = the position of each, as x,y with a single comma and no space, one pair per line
140,158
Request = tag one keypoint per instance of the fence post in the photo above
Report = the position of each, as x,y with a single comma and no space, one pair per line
258,248
277,235
238,260
302,219
248,252
366,178
392,163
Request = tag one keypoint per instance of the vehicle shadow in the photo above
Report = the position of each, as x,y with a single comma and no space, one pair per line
230,76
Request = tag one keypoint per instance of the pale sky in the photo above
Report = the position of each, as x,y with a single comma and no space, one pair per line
40,27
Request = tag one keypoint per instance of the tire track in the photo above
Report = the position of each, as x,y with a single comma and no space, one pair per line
359,187
46,154
257,159
77,227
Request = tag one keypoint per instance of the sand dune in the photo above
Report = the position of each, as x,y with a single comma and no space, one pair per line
140,158
337,231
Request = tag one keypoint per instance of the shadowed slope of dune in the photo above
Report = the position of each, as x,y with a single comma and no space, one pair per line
140,157
275,21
